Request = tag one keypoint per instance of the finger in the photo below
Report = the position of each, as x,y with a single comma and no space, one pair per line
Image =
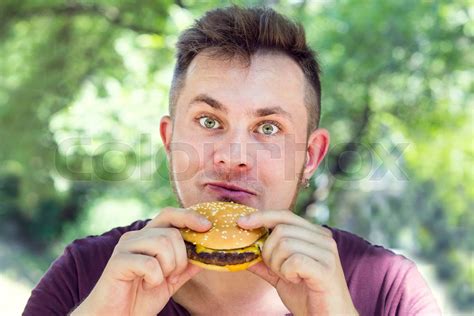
128,267
181,257
175,260
282,231
264,272
288,247
300,266
189,272
180,218
271,218
153,242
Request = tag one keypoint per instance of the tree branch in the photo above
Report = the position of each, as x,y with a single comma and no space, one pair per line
355,141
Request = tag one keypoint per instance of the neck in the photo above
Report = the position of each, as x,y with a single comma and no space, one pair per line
230,292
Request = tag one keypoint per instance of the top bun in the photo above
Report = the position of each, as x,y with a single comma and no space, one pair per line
225,234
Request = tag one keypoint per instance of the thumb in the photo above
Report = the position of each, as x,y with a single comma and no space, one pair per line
263,271
190,271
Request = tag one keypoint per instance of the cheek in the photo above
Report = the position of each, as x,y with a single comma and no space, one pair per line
280,161
293,153
185,159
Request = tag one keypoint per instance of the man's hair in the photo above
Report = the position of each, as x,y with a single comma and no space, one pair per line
242,32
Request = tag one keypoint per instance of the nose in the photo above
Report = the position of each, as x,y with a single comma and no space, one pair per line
232,154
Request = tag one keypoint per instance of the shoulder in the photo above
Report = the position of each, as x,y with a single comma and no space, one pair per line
356,252
372,271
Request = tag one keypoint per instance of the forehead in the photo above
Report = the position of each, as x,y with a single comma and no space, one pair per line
270,80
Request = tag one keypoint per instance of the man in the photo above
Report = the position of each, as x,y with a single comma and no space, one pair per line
243,127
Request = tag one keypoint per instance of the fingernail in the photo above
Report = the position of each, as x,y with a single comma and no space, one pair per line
204,221
246,219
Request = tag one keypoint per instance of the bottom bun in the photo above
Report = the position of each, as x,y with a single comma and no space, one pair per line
231,268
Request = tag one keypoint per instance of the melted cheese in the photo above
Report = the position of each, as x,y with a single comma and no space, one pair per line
255,248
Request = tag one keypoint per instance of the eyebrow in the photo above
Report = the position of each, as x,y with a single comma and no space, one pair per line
204,98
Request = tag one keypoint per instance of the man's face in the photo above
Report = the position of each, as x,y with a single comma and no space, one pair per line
241,126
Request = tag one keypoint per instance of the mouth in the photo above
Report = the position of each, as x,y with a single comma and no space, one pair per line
230,187
227,192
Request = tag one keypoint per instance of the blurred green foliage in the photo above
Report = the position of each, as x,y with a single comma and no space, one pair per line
83,85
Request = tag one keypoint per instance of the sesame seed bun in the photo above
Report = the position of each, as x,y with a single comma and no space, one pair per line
224,233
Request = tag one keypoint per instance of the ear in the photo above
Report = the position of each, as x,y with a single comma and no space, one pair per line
318,144
166,131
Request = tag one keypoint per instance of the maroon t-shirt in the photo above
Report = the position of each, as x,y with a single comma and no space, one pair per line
380,282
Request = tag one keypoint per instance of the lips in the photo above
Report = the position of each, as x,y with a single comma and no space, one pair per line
229,187
224,191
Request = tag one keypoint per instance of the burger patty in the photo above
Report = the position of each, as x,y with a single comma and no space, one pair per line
219,258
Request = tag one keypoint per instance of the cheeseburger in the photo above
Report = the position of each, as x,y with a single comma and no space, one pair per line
226,246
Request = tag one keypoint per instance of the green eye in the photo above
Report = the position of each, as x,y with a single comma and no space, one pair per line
208,122
268,128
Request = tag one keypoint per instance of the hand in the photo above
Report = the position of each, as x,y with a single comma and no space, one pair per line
146,267
302,262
